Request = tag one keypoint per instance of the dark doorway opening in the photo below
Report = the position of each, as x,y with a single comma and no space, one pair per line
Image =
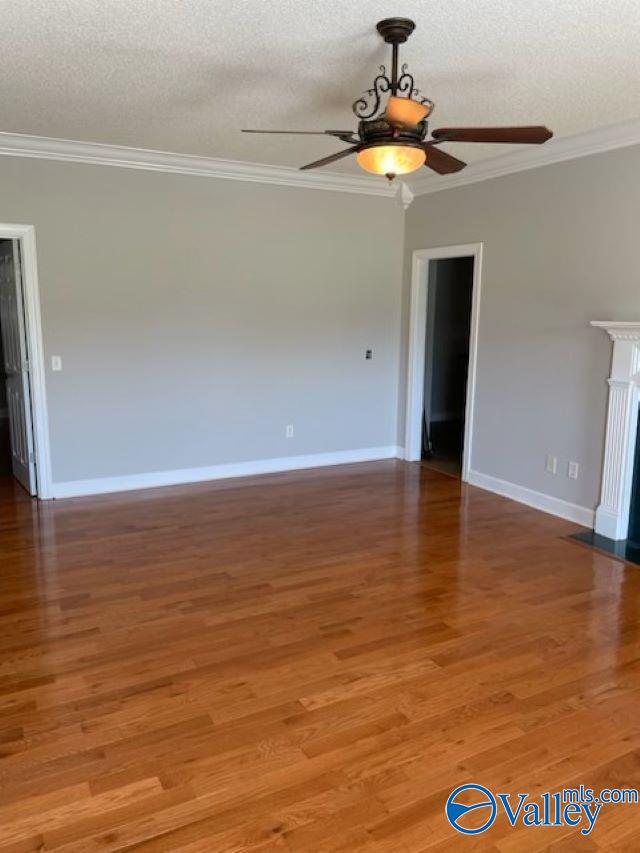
5,439
449,298
16,419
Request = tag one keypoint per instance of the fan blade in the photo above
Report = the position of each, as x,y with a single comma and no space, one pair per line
331,158
532,135
337,133
441,162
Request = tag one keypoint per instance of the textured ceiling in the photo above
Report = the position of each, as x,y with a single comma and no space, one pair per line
186,75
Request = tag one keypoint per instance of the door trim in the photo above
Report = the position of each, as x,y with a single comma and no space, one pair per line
25,234
417,332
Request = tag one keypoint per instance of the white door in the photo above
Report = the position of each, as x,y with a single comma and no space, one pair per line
16,365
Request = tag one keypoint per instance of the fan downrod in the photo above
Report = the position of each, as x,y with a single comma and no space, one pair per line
395,30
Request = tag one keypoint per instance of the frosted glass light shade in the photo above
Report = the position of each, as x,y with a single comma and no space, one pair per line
391,159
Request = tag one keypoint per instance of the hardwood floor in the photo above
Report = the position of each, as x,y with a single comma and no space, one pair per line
307,662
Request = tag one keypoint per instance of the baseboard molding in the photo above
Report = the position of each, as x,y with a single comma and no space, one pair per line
105,485
608,524
538,500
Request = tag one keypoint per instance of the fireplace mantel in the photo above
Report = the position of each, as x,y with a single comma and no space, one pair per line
612,514
619,330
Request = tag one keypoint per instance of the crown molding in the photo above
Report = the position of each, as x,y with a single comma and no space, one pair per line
404,195
619,330
555,151
93,153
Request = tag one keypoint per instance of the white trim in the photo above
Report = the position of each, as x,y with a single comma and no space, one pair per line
538,500
104,485
612,514
618,330
404,195
92,153
417,330
559,150
37,384
533,157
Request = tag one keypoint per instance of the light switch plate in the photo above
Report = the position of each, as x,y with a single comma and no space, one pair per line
56,362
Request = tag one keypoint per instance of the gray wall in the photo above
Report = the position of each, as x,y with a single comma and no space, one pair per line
197,317
560,249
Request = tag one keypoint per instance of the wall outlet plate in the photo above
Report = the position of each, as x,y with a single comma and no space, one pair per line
551,464
573,470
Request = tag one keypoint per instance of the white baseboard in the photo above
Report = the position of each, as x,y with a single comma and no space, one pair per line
546,503
611,524
104,485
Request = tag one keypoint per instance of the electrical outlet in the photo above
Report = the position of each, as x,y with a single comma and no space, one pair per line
573,469
368,354
551,464
289,431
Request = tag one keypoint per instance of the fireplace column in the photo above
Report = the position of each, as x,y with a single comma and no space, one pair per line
612,514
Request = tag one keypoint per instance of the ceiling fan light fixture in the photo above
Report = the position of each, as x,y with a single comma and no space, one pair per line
392,134
405,112
391,159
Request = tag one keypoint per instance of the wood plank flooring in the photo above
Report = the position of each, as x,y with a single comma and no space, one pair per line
306,662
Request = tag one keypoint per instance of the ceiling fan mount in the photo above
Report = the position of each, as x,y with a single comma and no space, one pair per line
395,30
391,138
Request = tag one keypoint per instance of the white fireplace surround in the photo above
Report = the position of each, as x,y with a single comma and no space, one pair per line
612,514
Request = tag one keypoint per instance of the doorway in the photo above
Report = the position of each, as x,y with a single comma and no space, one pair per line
16,393
5,434
445,298
446,362
24,432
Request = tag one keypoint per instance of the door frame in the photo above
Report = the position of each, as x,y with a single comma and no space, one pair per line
417,340
25,234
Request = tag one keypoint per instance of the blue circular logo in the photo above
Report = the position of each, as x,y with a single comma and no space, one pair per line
482,799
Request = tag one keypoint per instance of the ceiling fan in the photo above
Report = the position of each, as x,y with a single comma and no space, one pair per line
392,137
